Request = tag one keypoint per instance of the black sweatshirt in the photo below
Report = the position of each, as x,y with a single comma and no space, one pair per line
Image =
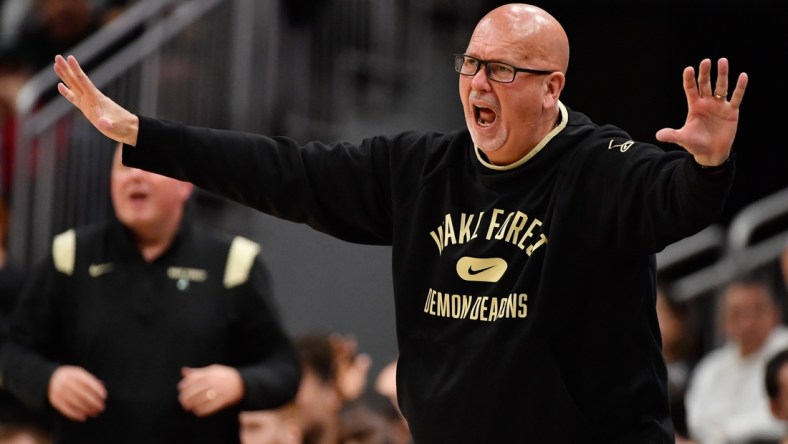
96,303
525,295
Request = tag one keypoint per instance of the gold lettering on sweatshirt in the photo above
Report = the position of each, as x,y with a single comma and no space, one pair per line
465,227
493,223
513,227
444,235
476,308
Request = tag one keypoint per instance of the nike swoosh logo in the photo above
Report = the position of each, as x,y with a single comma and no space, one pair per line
96,270
473,272
481,269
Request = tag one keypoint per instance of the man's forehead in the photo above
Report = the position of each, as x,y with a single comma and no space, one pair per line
496,44
498,50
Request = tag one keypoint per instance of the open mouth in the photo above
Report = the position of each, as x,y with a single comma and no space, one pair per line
485,117
138,196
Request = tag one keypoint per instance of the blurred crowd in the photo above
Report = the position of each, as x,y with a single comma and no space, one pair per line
334,403
724,393
31,33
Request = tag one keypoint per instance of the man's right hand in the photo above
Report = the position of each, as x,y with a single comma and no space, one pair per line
111,119
76,393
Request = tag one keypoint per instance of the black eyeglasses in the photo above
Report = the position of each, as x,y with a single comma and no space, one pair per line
496,71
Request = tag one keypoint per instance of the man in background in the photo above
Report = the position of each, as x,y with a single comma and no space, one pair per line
149,328
776,383
726,400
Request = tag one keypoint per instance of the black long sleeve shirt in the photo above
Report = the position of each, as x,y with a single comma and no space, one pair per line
96,303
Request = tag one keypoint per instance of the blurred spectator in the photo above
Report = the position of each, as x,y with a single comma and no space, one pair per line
11,279
386,386
781,281
50,27
13,75
319,400
784,267
678,350
726,400
22,434
275,426
108,10
38,30
375,418
329,407
352,367
53,27
776,383
18,423
386,383
149,328
360,424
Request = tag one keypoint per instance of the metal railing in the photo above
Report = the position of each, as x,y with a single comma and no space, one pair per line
708,241
173,68
239,64
744,251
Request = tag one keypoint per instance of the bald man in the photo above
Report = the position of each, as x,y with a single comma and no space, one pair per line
523,245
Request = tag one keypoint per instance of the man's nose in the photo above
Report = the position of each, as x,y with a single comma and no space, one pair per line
480,80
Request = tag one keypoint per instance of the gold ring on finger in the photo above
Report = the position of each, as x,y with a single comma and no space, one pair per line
210,394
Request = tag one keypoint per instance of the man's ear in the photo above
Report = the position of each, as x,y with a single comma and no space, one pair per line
554,85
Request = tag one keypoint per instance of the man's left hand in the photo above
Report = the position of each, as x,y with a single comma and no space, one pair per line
712,119
204,391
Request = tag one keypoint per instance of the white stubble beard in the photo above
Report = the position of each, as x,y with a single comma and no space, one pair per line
490,146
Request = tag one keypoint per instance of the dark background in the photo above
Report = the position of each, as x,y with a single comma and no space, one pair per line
627,59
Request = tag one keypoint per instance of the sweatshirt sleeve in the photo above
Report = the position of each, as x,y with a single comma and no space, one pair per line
643,198
667,196
269,365
341,189
28,356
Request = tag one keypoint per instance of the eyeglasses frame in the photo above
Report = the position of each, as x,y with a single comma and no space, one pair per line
463,57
